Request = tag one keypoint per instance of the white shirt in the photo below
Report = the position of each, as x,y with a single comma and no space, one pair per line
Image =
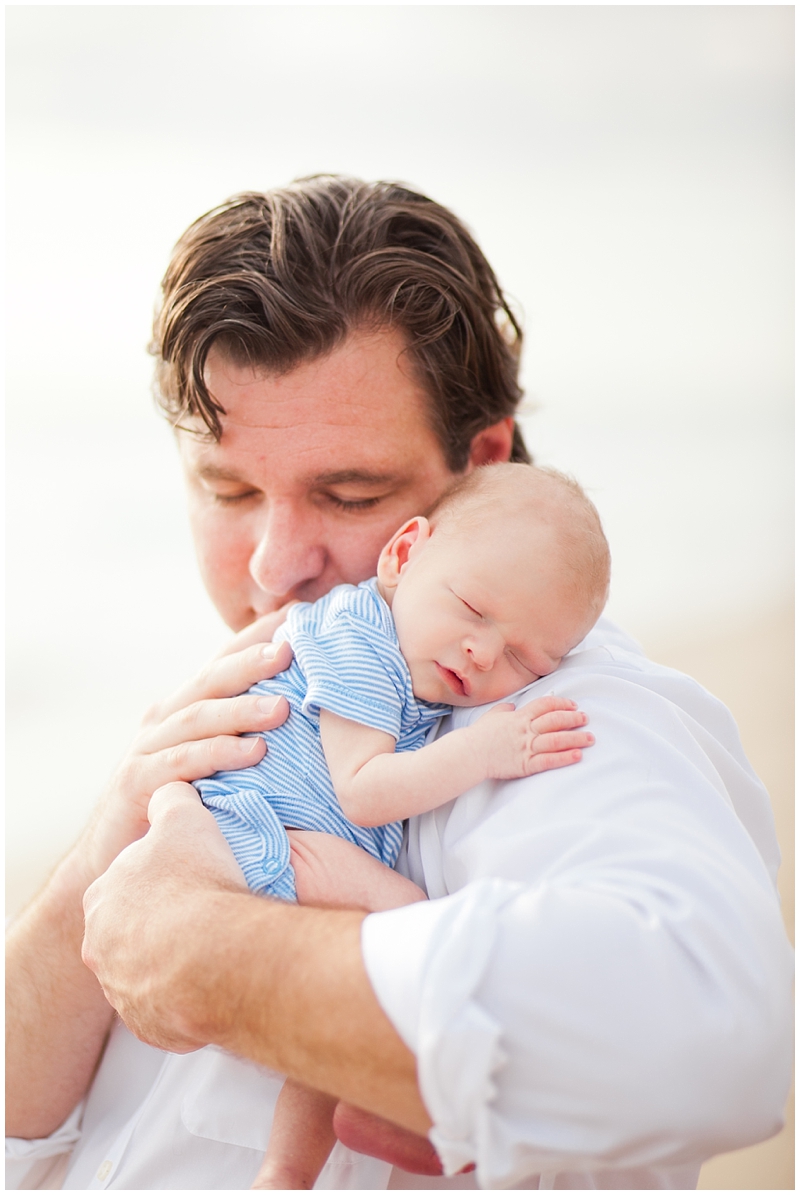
598,992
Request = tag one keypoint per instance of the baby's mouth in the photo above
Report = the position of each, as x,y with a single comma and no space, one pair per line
454,681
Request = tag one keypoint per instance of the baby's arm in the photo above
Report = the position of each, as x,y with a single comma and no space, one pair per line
374,785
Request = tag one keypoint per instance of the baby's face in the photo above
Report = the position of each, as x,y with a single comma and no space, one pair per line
476,617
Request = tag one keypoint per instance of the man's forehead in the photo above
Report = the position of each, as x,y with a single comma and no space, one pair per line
367,376
351,417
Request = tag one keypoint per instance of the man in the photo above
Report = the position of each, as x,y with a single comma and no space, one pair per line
597,993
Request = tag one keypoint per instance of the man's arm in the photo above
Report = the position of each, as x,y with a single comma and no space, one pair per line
607,986
374,785
56,1015
205,962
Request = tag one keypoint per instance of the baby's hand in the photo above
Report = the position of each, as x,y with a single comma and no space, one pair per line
541,735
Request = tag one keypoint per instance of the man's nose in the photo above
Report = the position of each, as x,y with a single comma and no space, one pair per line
483,648
289,553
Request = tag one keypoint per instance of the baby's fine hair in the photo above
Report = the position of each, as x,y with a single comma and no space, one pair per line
545,497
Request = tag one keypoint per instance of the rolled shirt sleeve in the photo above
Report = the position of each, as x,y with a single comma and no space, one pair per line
32,1164
604,982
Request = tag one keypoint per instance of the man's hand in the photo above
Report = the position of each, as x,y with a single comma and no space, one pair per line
539,736
137,913
189,957
192,734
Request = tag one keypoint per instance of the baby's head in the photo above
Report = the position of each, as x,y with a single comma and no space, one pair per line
505,575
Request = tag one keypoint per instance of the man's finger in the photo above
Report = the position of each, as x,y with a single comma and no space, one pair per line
247,714
227,676
170,797
194,761
260,631
187,838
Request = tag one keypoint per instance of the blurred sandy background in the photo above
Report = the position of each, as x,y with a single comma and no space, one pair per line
628,171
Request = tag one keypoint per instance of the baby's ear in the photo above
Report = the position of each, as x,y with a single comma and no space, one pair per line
395,556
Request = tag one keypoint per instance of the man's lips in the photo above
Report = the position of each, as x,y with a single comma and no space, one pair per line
457,683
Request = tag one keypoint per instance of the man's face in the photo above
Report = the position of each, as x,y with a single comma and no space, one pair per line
314,471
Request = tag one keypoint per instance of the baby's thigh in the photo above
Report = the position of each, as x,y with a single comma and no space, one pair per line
335,874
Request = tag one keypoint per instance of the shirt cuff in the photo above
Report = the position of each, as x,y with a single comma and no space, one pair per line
60,1141
425,962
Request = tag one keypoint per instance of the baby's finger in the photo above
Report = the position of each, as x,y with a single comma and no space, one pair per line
559,720
555,759
564,740
543,705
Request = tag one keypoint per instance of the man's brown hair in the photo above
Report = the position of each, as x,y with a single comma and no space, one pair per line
279,278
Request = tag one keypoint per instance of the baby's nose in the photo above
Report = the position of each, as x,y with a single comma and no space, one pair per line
483,651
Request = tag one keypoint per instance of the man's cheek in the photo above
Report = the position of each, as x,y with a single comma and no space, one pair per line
355,550
225,569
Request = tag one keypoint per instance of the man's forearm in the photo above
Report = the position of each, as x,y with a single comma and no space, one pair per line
286,987
57,1018
188,957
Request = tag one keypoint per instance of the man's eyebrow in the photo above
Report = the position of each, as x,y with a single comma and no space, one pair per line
212,472
353,477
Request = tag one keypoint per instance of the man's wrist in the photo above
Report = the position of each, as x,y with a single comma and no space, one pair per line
227,984
203,985
60,899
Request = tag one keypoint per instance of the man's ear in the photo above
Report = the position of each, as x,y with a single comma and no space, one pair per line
403,544
493,444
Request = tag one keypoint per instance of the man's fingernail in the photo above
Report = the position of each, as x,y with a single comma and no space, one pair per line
268,651
268,705
250,743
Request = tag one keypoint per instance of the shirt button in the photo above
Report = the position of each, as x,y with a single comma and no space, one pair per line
104,1171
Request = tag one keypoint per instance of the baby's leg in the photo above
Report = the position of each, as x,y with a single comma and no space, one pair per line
332,873
301,1138
328,871
336,874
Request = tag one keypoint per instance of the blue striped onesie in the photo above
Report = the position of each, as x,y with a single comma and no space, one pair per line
346,660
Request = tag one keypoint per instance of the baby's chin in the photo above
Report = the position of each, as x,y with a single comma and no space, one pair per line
443,695
436,692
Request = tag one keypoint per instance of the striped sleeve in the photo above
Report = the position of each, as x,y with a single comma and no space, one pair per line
353,670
